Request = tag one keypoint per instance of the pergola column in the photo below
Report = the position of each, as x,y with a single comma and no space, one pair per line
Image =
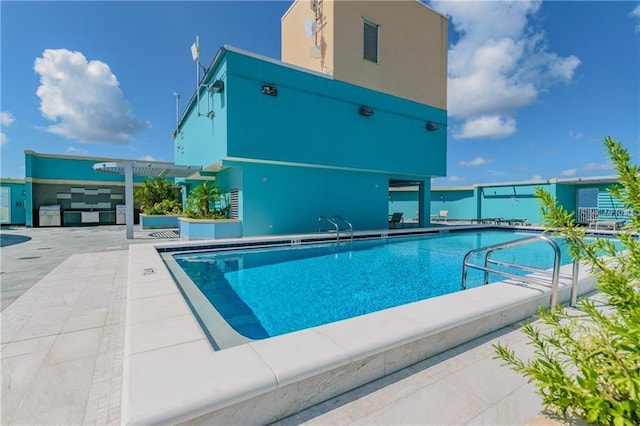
128,198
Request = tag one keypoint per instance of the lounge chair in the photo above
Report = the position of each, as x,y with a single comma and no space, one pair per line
442,215
516,221
607,224
396,218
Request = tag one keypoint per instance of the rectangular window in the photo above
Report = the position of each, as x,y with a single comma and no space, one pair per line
371,41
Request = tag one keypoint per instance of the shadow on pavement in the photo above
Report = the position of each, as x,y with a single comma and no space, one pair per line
10,240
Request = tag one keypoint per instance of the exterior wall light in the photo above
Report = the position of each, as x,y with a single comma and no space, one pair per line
365,111
269,90
217,86
431,126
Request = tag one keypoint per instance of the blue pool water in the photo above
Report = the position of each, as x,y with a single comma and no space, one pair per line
272,291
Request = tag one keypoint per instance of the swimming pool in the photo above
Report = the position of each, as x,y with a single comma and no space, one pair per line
265,292
169,351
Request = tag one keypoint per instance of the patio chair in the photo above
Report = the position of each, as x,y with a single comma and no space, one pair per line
396,218
442,215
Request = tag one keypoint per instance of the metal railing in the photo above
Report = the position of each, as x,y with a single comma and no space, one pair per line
349,227
542,275
592,214
334,225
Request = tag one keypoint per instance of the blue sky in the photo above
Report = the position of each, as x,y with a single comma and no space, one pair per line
533,86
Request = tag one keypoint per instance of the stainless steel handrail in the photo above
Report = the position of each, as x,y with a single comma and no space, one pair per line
335,225
574,284
523,267
346,222
555,274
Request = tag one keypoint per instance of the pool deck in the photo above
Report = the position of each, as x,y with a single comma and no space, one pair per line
63,338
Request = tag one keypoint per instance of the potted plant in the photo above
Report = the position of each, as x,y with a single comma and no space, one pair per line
159,202
207,214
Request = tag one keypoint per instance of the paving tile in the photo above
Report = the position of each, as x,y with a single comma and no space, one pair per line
45,322
75,345
439,403
148,335
514,409
41,344
57,394
84,319
487,380
18,373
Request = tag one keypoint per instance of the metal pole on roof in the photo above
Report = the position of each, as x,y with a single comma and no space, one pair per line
128,198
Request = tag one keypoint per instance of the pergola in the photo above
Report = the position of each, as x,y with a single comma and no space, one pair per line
141,168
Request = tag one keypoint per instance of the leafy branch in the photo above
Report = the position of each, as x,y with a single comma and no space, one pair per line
588,367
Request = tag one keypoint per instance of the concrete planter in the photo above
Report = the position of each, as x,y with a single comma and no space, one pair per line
202,229
158,221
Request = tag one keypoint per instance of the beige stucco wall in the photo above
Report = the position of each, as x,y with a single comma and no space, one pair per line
295,42
412,59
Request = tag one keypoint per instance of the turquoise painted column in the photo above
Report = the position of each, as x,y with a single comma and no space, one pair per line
128,198
28,204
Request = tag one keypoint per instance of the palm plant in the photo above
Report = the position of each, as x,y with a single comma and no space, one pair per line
202,202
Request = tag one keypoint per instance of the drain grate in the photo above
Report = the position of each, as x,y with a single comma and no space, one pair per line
43,248
28,257
165,234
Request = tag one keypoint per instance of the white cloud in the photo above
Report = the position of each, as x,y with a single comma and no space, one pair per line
478,161
498,64
6,119
575,135
598,166
76,151
536,178
497,173
455,179
568,172
493,126
84,99
635,13
148,158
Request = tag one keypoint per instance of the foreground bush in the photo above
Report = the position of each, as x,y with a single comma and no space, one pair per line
588,367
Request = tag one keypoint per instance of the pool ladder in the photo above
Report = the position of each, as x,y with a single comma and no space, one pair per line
335,227
542,275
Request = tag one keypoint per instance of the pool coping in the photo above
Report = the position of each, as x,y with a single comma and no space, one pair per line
172,374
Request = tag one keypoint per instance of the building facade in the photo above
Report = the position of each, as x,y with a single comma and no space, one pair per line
71,186
12,202
588,198
293,144
395,47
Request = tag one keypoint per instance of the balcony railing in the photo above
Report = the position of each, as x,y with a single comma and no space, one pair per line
592,214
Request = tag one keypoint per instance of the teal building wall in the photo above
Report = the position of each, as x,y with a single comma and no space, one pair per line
405,202
73,184
512,201
459,203
306,152
15,209
566,196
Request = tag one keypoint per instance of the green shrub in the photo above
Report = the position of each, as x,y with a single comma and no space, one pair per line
164,207
588,367
158,196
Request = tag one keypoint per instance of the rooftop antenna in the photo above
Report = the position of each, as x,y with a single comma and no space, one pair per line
177,95
195,55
